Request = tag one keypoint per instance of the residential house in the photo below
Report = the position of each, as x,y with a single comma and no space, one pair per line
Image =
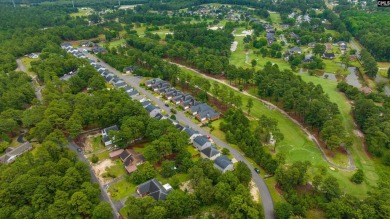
204,112
171,93
115,154
328,55
312,44
130,69
153,110
191,133
186,100
153,81
98,49
33,55
201,142
294,36
223,163
13,153
120,84
179,127
86,44
66,46
177,98
295,50
154,189
270,38
211,153
163,90
156,86
342,45
106,138
133,93
124,155
145,103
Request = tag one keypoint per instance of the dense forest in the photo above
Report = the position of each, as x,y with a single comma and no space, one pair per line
373,119
372,31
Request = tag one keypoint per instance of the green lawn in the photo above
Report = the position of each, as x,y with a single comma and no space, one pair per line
27,63
82,12
117,43
275,18
370,167
117,170
192,150
97,143
102,156
121,190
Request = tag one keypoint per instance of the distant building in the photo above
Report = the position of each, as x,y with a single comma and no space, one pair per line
201,142
153,110
295,50
328,55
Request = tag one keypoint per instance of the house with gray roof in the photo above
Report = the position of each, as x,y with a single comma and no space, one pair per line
210,152
133,93
191,133
120,84
106,138
170,94
201,142
295,50
145,103
177,98
154,189
151,82
204,112
153,110
223,163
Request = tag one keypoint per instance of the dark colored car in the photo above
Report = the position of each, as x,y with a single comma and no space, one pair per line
79,149
257,170
167,105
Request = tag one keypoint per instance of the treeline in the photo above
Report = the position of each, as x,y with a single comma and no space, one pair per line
198,34
372,31
228,192
148,18
306,101
238,131
373,119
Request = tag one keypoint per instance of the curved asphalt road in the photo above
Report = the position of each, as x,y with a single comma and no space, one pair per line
264,192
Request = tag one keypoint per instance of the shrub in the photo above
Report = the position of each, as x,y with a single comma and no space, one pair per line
358,177
94,159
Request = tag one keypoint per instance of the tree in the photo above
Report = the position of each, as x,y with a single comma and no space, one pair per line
157,212
345,59
358,177
319,49
167,168
331,188
249,105
94,158
253,63
388,73
102,211
243,173
283,210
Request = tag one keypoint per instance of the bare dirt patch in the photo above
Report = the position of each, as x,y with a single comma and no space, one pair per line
234,46
186,186
101,168
255,192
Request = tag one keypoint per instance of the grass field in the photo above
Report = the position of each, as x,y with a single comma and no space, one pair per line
117,170
121,190
117,43
82,12
275,17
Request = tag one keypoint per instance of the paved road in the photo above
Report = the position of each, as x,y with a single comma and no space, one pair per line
264,192
351,165
103,195
38,90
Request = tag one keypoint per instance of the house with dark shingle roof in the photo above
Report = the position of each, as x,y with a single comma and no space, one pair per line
328,55
223,163
210,152
132,93
204,112
201,142
153,110
105,138
295,50
191,133
98,49
151,82
145,103
154,189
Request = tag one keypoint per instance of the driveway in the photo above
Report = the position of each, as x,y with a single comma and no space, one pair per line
266,198
38,90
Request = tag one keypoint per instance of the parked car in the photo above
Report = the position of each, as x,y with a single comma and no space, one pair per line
79,149
257,170
167,105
